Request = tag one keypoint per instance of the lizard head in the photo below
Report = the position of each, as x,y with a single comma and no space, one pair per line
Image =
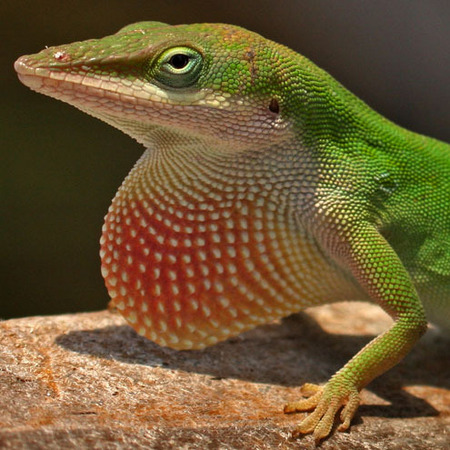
213,82
200,242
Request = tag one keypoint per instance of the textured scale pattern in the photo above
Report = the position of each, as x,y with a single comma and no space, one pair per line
190,267
266,187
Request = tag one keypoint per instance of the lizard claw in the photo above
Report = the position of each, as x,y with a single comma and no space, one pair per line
325,401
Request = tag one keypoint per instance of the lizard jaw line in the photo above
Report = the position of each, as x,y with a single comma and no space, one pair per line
39,78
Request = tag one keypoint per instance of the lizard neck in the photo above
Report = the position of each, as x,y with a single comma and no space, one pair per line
205,244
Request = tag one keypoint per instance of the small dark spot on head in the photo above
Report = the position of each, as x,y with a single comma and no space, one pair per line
274,106
250,54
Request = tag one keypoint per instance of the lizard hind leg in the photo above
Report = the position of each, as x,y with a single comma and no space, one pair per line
379,270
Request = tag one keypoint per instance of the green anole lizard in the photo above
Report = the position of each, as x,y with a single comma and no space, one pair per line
266,187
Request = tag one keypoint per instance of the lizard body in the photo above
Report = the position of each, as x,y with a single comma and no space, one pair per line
266,187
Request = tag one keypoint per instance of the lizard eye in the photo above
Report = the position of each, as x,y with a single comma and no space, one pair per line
178,67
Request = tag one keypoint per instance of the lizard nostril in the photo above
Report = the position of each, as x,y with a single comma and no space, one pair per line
61,56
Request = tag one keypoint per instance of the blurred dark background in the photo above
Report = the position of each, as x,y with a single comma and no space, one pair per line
61,168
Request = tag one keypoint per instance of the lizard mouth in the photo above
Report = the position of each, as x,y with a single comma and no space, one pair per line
29,76
60,80
87,90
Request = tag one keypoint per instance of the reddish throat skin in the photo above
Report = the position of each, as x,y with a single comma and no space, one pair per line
193,256
180,263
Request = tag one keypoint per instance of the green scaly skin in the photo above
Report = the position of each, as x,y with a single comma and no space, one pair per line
266,187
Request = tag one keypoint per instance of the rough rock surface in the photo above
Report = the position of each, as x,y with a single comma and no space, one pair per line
89,381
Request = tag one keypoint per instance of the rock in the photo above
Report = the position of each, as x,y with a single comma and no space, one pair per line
89,381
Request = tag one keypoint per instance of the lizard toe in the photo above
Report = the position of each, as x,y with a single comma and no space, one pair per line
312,392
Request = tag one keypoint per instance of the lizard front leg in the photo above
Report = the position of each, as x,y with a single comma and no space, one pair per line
376,266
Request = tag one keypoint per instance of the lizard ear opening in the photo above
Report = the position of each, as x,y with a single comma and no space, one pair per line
274,106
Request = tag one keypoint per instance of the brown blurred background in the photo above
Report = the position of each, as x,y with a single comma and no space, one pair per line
61,168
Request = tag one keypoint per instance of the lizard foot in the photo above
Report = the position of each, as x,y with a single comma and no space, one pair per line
326,402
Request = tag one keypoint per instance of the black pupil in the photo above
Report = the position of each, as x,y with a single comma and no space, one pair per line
179,61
